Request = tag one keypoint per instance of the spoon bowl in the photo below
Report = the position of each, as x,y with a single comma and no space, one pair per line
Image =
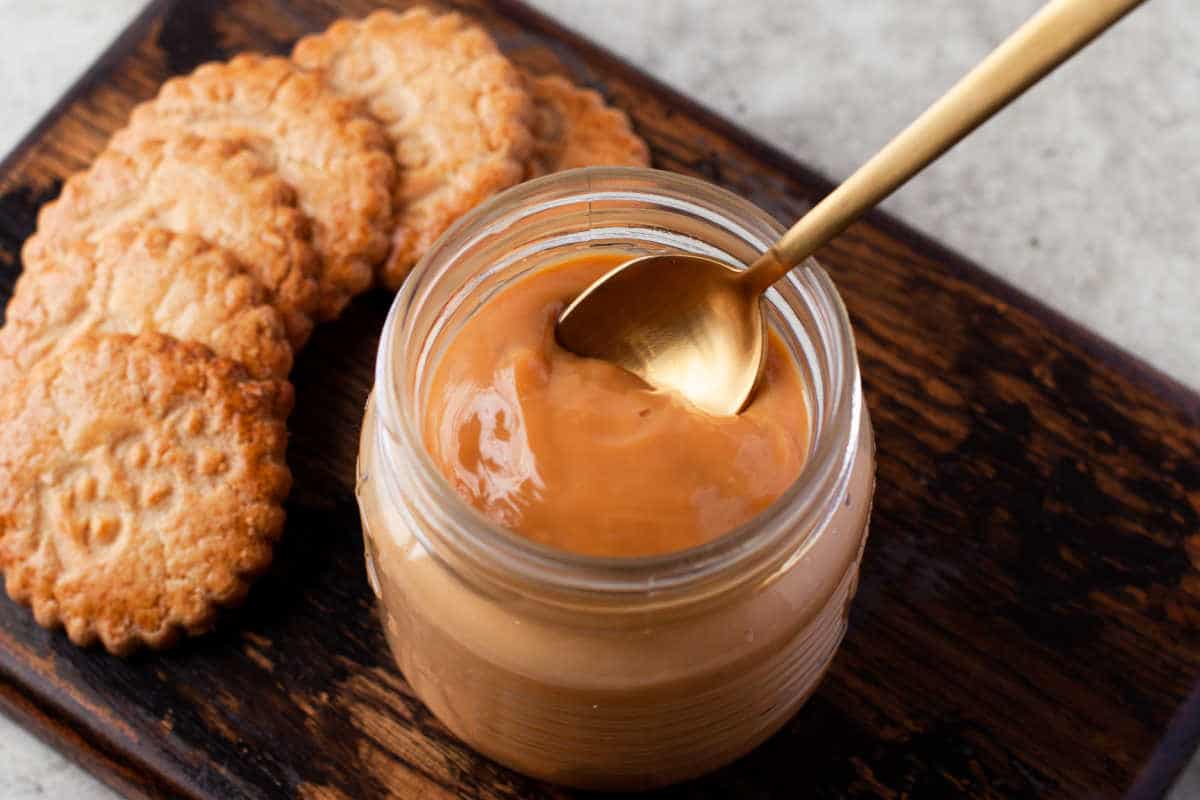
677,321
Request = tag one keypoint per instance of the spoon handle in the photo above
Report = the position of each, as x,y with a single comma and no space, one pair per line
1050,37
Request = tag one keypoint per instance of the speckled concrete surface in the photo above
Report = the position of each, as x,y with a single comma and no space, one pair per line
1086,192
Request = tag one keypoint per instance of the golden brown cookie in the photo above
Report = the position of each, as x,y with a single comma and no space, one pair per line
143,279
141,487
335,156
576,128
455,109
219,189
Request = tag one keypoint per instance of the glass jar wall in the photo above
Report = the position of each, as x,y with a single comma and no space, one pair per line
611,673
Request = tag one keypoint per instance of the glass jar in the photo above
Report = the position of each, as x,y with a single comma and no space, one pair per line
623,673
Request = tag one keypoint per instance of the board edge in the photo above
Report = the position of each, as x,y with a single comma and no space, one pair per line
125,41
108,764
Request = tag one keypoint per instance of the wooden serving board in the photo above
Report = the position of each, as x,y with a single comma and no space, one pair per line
1028,622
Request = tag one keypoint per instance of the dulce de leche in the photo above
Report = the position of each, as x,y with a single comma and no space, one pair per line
579,454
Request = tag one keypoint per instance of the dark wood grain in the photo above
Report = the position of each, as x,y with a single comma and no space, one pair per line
1028,621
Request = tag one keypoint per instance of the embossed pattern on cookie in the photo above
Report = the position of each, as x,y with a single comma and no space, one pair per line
576,128
141,487
143,279
457,112
219,189
335,156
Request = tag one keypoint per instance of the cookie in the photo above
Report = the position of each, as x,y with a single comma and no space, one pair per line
143,279
335,156
576,128
141,487
219,189
457,113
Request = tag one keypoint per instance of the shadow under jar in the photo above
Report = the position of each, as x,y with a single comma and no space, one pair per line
611,673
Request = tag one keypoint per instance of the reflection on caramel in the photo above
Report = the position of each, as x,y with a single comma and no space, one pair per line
581,455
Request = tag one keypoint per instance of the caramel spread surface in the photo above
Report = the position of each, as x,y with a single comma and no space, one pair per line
581,455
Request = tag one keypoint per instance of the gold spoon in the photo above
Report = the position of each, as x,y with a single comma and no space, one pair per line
695,325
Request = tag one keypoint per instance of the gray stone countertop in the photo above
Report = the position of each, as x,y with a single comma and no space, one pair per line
1086,192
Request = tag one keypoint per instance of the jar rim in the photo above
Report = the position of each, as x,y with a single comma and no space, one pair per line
517,563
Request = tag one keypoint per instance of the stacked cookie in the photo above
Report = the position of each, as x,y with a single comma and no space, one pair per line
462,121
144,360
